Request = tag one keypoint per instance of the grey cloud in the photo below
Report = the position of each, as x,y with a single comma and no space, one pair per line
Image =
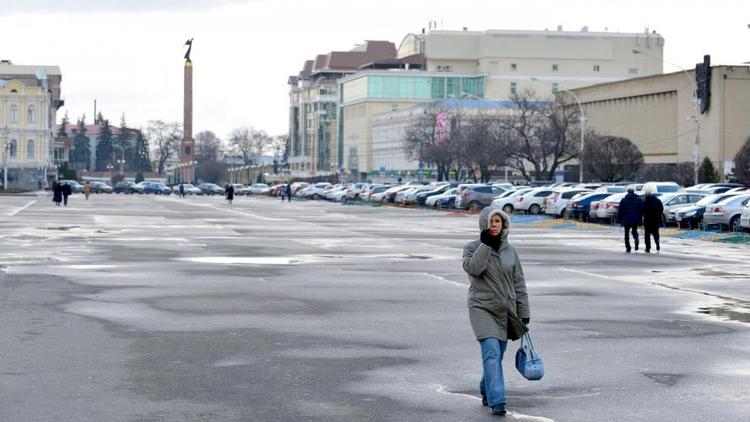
88,6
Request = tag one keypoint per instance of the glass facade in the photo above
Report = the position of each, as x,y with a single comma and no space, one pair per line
413,87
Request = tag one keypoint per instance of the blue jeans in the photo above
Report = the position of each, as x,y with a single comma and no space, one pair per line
493,383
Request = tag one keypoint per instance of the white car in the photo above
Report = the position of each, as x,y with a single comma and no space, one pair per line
317,190
335,193
531,201
433,200
745,218
558,200
376,193
258,189
356,191
240,189
189,189
506,201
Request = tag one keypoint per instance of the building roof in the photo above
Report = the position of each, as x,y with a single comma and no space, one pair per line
8,68
351,60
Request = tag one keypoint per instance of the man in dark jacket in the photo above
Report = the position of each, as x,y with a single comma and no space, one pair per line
630,215
66,191
653,212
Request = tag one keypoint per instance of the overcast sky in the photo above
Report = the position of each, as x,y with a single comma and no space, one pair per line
128,54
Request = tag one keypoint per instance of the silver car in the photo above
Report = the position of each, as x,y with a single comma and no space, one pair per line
673,201
726,213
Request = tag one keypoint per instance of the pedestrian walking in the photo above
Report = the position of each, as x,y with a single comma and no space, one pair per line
229,192
57,195
182,190
496,286
87,189
653,212
630,215
66,192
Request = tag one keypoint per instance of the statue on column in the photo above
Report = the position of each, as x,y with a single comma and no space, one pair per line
188,43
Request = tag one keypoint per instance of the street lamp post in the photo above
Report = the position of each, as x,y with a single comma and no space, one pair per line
582,120
6,151
696,107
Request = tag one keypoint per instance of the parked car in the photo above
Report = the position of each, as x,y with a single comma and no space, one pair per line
390,194
100,187
531,201
608,207
156,188
316,191
211,189
745,218
75,187
240,189
377,193
673,201
433,200
661,187
124,187
189,189
557,201
139,187
298,186
579,207
410,195
726,213
356,191
477,197
435,190
336,193
692,215
507,200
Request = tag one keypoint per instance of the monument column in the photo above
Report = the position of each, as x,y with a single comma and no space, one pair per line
187,144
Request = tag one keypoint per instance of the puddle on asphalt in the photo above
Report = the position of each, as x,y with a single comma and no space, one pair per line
90,267
727,311
62,228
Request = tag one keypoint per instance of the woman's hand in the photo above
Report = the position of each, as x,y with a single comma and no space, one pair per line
526,320
490,240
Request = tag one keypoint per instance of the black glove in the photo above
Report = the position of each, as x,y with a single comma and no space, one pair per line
526,320
490,240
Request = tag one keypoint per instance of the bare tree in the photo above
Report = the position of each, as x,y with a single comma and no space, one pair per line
610,158
207,146
164,140
681,173
485,145
426,140
249,143
279,146
542,135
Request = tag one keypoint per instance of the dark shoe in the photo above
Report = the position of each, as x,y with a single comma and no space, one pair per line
648,251
484,400
658,248
636,246
499,410
627,250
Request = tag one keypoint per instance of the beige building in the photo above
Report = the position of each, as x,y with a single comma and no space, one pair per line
558,59
656,113
29,99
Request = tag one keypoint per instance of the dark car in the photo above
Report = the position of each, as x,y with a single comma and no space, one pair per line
156,188
580,207
100,187
75,187
211,189
422,196
692,215
124,187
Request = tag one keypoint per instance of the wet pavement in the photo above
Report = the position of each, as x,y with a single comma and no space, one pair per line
143,308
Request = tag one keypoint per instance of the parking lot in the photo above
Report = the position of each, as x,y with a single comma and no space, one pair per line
159,308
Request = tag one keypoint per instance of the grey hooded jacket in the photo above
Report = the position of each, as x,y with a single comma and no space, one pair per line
491,272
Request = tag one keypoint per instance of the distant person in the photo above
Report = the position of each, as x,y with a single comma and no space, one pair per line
87,189
282,192
182,190
289,192
653,211
57,193
495,275
229,192
630,215
66,192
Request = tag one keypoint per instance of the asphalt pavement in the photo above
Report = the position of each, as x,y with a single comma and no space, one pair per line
149,308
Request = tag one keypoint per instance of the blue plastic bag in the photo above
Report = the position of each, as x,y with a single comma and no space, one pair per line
528,361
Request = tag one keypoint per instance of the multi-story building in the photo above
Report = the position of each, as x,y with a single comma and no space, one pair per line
658,114
313,98
29,99
488,64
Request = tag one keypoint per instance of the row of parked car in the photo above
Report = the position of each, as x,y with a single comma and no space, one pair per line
721,205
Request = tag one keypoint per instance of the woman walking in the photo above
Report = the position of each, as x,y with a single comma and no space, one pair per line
229,190
497,285
57,193
652,217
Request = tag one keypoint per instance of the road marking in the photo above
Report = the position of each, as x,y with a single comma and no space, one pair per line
515,415
570,270
455,283
22,208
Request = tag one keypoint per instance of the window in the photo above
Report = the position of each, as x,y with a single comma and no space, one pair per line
513,66
555,67
554,87
30,114
513,87
444,68
13,149
14,113
596,68
633,70
30,149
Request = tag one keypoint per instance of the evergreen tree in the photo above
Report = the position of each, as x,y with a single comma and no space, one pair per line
104,150
62,131
140,157
707,173
123,145
80,155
